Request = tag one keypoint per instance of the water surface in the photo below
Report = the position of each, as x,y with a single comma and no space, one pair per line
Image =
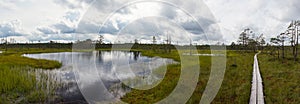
97,76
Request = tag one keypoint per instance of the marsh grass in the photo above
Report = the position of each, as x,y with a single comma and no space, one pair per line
36,50
18,60
157,93
21,83
235,87
14,83
23,80
280,79
26,85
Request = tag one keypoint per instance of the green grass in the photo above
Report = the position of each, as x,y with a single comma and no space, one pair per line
15,59
18,82
15,84
235,87
20,85
36,50
280,79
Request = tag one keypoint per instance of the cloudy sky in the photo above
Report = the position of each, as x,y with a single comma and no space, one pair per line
204,22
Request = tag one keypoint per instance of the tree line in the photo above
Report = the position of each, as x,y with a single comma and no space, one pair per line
278,45
288,39
249,40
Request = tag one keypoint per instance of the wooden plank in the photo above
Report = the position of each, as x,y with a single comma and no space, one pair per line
257,96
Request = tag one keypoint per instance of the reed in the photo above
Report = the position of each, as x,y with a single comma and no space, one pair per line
23,80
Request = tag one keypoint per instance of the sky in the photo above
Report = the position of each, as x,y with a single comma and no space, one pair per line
123,21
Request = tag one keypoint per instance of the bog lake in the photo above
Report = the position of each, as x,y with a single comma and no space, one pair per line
97,76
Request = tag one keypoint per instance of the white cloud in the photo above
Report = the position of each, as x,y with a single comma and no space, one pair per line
32,13
67,24
7,5
144,29
47,30
11,28
179,17
58,19
73,4
263,16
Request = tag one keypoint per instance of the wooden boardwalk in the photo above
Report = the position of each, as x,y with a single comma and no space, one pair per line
257,95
